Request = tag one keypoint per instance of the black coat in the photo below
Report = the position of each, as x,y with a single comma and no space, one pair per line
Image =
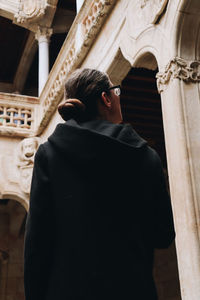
98,208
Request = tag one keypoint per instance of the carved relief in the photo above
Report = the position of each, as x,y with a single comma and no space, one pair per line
16,167
26,153
95,10
30,10
188,71
141,13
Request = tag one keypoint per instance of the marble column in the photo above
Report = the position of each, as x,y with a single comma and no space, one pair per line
43,36
179,87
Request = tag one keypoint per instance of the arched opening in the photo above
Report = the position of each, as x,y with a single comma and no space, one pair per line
12,227
141,106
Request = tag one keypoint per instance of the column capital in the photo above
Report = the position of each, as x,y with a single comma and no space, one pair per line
43,34
179,68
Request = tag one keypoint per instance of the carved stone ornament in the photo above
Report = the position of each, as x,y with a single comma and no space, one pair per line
142,13
188,71
43,34
26,153
30,10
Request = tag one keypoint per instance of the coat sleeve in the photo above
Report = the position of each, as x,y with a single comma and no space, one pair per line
164,232
38,232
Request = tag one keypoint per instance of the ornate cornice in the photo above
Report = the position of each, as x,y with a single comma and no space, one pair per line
30,10
178,68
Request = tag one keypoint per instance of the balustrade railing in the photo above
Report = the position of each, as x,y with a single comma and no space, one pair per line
17,114
16,117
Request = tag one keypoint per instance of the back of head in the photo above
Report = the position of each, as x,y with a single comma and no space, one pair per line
85,86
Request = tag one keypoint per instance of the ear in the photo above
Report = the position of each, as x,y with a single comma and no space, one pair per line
106,100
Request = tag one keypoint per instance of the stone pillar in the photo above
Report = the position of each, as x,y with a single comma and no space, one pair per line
43,35
79,3
179,89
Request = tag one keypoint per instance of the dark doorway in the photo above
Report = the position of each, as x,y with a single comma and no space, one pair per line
12,227
141,107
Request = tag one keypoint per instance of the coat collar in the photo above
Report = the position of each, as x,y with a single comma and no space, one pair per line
96,137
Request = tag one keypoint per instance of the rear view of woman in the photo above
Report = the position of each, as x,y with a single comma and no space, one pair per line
99,204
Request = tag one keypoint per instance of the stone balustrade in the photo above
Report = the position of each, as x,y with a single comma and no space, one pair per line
17,114
16,117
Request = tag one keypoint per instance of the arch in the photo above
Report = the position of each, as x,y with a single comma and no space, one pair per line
120,66
146,58
12,223
153,40
16,197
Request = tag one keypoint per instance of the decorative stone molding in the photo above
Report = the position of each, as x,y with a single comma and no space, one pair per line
93,14
8,8
61,77
26,152
43,34
30,10
178,68
141,13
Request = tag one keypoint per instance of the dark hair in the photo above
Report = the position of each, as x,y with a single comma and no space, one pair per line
86,85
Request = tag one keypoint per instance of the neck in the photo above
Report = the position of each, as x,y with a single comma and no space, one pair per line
111,119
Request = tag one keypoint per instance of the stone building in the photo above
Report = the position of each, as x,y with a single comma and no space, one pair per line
151,48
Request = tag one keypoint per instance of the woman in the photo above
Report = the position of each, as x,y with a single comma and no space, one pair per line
99,205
